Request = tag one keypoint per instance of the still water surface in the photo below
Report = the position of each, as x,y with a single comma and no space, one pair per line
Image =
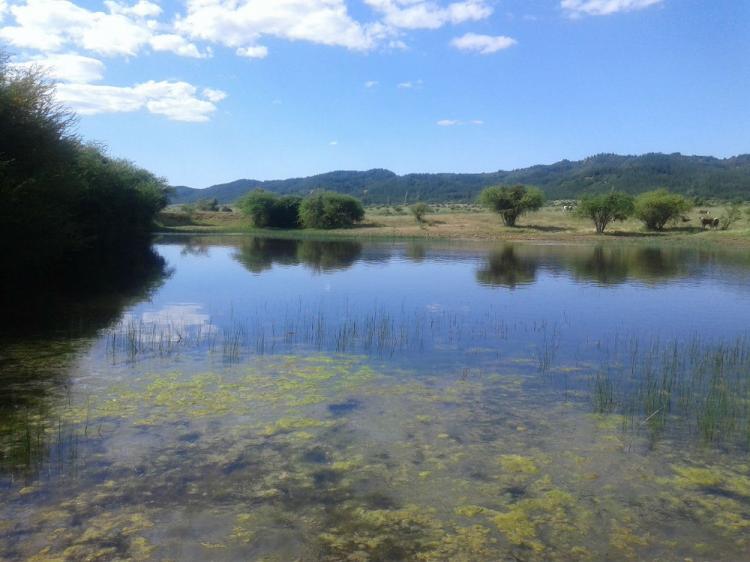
264,399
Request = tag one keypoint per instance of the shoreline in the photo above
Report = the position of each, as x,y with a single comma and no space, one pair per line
540,227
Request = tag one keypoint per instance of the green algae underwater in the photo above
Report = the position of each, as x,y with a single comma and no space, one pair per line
458,437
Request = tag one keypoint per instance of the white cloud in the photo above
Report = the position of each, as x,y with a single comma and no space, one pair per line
3,9
241,23
51,25
214,95
68,67
409,84
253,52
176,44
482,44
177,101
455,122
371,83
142,9
425,14
333,143
577,8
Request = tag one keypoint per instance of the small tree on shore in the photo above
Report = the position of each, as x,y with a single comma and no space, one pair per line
419,210
258,206
511,202
731,215
328,209
657,208
605,208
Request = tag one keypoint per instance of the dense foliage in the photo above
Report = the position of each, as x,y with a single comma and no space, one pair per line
327,209
268,210
657,208
693,176
511,202
419,210
62,201
605,208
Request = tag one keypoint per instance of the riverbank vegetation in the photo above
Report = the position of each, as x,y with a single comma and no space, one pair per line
321,210
65,202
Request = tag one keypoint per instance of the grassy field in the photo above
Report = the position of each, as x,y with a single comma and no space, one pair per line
469,222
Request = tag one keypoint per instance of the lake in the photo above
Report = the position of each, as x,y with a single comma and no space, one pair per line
248,398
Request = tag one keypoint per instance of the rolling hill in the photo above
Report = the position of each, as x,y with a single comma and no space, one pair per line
699,176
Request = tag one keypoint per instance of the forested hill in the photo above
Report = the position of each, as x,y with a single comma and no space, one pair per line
703,176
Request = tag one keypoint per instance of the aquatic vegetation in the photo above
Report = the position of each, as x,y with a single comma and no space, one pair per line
518,464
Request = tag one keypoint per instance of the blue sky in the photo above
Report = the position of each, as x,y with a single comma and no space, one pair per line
207,91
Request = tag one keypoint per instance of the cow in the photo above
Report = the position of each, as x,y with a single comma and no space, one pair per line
710,222
568,208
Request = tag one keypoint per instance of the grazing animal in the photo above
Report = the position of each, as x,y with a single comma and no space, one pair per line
567,208
703,212
709,221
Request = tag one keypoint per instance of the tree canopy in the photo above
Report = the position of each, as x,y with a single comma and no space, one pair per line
511,202
603,209
659,207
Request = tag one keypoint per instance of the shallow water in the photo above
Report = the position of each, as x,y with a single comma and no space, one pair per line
305,400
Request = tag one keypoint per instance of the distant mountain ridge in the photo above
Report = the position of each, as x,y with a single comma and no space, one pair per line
702,176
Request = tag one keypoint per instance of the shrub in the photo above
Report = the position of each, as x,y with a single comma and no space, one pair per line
511,202
419,210
327,209
657,208
731,215
605,208
285,212
207,204
258,206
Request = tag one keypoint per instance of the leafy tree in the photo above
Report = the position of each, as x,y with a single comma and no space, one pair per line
419,210
258,205
327,209
268,210
511,202
603,209
285,212
63,202
731,215
657,208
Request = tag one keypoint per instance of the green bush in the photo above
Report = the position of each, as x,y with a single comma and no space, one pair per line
419,210
268,210
511,202
731,215
605,208
327,209
63,202
657,208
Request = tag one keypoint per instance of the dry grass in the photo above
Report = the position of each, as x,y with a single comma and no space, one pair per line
466,222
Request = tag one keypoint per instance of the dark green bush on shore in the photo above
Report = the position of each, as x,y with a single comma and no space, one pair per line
657,208
327,209
62,201
511,202
268,210
605,208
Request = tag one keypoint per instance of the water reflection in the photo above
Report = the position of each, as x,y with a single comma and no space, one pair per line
260,254
508,268
43,336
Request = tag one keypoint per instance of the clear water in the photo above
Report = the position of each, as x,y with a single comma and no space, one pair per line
284,400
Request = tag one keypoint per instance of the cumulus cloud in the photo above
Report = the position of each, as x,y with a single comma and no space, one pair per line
578,8
422,14
178,101
241,24
176,44
371,83
51,25
253,52
213,95
67,67
3,9
482,44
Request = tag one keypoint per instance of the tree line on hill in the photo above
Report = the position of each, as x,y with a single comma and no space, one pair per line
692,176
66,204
